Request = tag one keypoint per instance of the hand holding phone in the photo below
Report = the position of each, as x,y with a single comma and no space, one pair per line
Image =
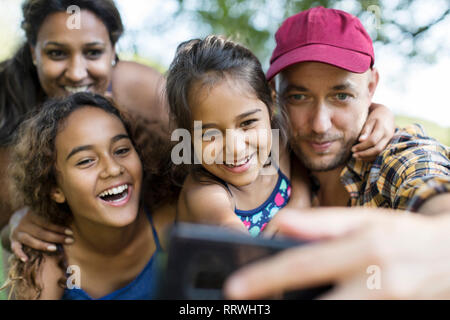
201,257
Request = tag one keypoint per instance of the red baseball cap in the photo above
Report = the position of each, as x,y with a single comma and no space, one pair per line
323,35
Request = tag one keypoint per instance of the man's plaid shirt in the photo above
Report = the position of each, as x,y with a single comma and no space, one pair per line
411,169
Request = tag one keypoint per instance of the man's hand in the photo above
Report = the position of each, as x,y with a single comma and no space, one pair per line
410,252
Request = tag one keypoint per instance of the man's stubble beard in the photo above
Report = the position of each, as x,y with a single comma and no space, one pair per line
339,160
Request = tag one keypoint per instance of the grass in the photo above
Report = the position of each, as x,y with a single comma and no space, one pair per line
2,293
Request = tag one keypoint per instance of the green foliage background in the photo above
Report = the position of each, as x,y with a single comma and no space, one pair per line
254,22
442,134
2,276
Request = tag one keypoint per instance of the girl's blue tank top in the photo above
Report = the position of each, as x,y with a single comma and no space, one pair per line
141,288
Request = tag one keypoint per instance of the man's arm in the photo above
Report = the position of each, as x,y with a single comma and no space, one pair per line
408,255
415,170
438,204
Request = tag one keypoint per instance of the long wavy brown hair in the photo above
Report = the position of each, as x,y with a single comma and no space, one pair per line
20,90
32,171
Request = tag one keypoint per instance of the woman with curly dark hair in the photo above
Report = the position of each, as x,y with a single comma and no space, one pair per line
58,59
76,165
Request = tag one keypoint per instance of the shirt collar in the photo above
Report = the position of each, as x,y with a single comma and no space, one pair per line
356,168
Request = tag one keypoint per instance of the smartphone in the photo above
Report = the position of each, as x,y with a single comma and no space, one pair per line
201,257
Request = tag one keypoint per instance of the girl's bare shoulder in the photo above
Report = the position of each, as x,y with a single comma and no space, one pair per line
196,196
205,185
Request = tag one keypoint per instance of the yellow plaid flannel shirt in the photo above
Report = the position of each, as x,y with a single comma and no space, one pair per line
411,169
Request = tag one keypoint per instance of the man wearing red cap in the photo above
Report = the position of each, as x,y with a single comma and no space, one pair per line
323,67
323,71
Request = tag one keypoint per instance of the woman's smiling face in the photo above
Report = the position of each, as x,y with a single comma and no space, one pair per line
98,170
73,60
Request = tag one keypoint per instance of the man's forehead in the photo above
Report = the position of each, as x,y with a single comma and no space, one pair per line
316,73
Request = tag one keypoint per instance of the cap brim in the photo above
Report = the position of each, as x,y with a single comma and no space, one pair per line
342,58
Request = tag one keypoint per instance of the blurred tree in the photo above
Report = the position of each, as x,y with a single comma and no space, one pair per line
254,22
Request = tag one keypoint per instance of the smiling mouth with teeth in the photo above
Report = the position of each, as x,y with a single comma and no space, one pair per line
238,164
116,194
76,89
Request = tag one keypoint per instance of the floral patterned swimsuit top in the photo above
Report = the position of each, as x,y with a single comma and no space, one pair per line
256,220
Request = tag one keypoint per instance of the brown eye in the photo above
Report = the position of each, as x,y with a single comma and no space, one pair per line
84,162
122,151
248,122
56,54
94,53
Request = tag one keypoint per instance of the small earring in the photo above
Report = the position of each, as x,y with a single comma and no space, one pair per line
34,62
113,63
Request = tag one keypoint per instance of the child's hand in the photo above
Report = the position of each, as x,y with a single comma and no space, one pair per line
376,133
29,229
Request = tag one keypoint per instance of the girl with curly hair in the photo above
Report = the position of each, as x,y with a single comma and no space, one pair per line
57,60
76,165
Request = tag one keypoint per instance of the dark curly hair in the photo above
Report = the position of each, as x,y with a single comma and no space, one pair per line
33,174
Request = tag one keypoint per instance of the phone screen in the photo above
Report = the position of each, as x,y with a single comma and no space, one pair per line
200,258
